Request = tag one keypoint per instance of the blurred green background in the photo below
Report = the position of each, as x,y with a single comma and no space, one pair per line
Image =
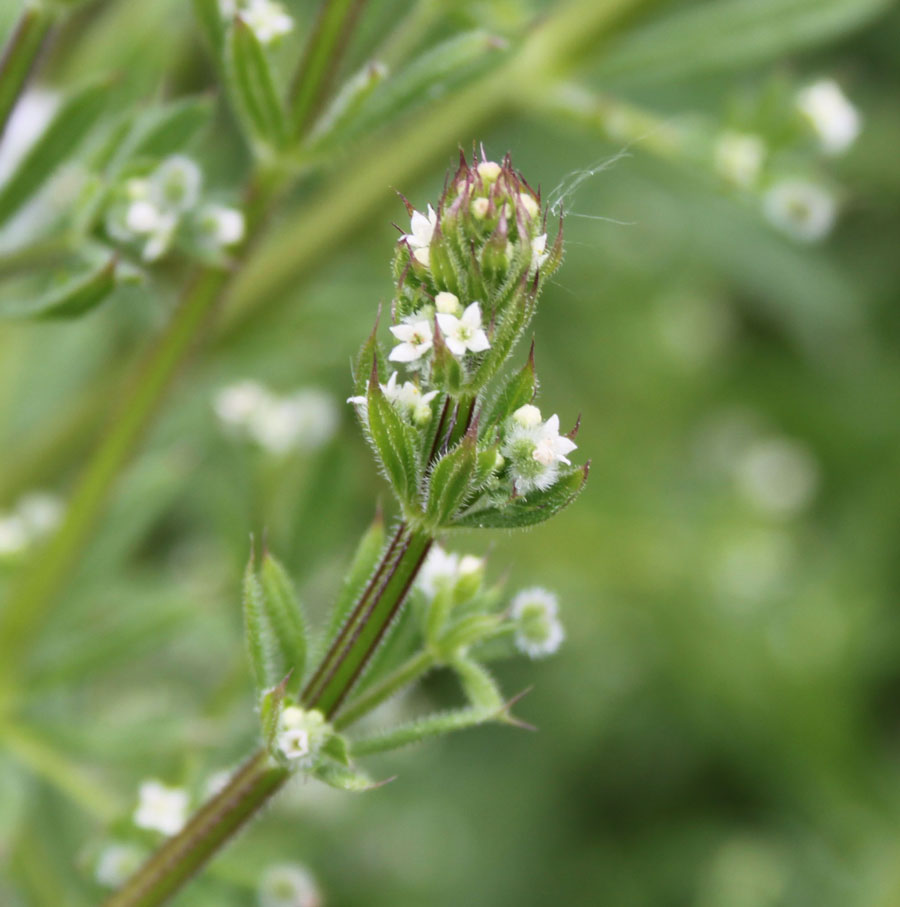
721,727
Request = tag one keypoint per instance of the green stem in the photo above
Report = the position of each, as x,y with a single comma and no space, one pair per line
410,671
210,827
19,56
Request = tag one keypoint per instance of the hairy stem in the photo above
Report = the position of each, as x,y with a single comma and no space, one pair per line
19,55
213,824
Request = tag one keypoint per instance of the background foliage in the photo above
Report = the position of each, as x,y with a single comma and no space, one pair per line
720,728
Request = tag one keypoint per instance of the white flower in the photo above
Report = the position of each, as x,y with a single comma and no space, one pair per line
305,420
14,537
267,20
40,512
539,631
416,339
535,449
489,171
161,808
294,743
803,210
221,226
421,230
442,569
778,476
836,121
144,219
539,253
236,403
447,303
739,157
288,885
301,735
116,863
406,397
465,333
174,187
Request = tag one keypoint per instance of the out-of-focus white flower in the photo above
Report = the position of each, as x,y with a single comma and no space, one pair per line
41,512
216,783
535,449
778,476
116,862
443,569
268,20
464,334
738,158
803,210
288,885
305,420
236,404
14,537
415,338
174,186
221,226
539,631
161,808
836,121
539,253
421,230
145,219
26,123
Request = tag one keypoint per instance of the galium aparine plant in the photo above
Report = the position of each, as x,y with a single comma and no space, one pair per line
452,420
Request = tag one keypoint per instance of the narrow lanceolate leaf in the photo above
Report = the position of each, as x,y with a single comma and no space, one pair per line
518,390
480,687
73,297
340,113
285,617
527,511
421,730
344,778
167,129
438,612
361,568
209,16
253,87
467,631
257,631
366,359
450,481
394,444
75,118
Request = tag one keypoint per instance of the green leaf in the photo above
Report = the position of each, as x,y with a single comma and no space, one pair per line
167,129
394,443
73,297
467,631
518,390
480,687
364,560
450,481
439,609
420,730
344,778
253,87
270,711
257,631
531,510
285,617
209,16
337,748
367,359
75,118
718,35
344,108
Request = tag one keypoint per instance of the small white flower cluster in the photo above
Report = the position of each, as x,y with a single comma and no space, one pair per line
288,885
156,207
267,19
461,330
303,420
539,631
534,449
161,808
301,735
444,570
834,119
33,518
407,398
116,862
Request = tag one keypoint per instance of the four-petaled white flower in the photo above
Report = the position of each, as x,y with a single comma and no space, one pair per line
415,338
294,743
464,334
266,19
803,210
421,230
535,449
836,121
539,631
161,808
406,397
539,253
288,885
301,735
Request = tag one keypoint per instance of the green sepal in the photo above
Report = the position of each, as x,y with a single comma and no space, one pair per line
450,481
72,122
253,87
285,617
485,465
270,707
367,359
257,630
394,442
527,511
518,390
73,297
439,609
420,730
343,777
